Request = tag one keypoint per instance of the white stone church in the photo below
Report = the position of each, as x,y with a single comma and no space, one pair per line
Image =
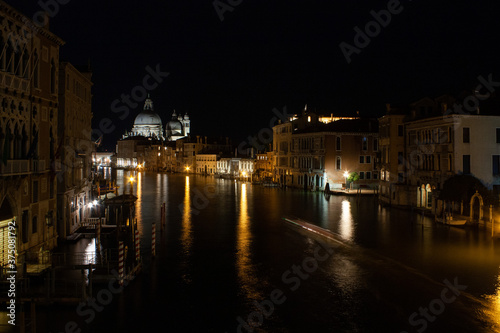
148,124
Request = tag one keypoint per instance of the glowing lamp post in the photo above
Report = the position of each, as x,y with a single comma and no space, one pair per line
187,169
131,180
346,174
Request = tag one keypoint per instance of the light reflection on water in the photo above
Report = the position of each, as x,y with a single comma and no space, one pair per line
139,206
493,313
244,264
416,241
186,238
346,223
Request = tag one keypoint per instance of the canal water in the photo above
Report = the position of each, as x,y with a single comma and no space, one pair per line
229,261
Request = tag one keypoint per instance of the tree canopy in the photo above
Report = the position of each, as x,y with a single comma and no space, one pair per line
462,188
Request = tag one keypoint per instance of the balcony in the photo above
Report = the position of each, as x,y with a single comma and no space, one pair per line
8,80
14,167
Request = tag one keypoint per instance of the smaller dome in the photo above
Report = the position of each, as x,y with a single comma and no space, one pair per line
174,127
186,117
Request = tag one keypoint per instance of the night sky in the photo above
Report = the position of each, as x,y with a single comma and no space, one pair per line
229,75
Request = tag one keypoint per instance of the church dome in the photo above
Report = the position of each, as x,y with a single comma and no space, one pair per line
174,126
148,116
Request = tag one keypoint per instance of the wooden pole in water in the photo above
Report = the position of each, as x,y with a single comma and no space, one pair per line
153,240
137,247
120,262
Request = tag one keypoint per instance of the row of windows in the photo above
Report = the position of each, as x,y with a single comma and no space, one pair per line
466,166
466,135
436,135
365,159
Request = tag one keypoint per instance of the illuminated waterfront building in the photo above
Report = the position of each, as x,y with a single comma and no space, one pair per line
425,143
310,153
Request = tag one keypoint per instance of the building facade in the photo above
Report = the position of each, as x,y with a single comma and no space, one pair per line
437,145
76,149
310,153
29,66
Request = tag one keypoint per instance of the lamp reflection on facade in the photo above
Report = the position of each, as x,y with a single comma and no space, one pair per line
346,221
246,273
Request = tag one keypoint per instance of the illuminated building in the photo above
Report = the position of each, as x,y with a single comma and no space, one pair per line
310,153
425,143
148,123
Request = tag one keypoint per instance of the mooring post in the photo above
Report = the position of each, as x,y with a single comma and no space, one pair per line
153,240
120,262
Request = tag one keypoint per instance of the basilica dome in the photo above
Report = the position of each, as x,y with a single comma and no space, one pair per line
148,123
147,117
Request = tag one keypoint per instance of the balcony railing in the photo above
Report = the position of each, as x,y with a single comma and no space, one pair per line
11,81
14,167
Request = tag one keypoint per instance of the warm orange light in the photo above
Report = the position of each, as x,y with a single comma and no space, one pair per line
131,179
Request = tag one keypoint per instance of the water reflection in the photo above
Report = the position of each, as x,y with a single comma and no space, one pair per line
139,204
494,311
245,269
186,238
90,252
346,221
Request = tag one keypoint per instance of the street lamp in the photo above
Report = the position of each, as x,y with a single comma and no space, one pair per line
244,173
187,168
346,174
131,180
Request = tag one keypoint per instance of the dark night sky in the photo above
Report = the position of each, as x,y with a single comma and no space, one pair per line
229,75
